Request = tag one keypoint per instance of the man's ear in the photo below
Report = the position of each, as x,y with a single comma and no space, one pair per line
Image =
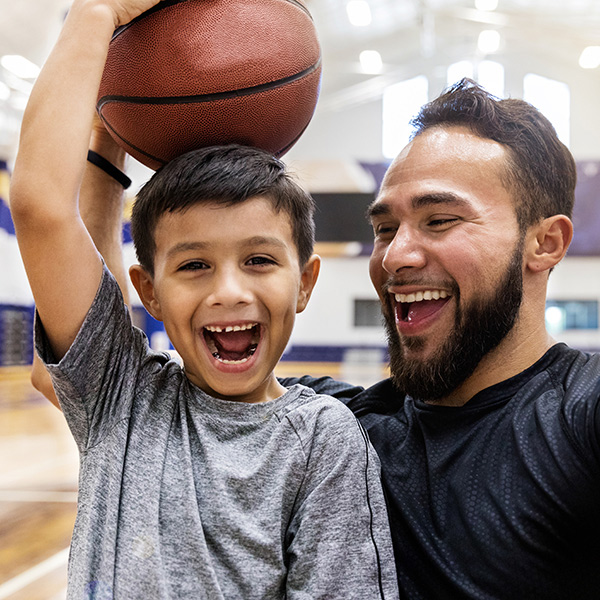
144,285
309,276
548,242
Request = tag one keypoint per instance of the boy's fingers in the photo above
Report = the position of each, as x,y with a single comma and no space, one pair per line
127,10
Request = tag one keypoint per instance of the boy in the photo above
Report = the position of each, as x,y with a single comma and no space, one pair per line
211,481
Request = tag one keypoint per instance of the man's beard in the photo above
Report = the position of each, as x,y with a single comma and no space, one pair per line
479,327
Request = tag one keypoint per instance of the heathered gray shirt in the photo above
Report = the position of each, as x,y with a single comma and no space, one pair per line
182,495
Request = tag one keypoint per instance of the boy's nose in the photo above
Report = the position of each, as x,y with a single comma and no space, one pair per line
229,289
406,250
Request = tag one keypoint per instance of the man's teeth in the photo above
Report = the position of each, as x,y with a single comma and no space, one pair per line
420,296
215,329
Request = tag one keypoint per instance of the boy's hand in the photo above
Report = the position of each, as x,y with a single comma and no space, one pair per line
123,11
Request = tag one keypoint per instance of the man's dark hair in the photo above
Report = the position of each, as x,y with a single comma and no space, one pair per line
225,175
540,173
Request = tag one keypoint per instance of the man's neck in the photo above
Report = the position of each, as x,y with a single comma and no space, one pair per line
515,354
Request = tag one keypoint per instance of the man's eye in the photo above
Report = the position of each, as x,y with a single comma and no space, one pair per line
441,222
383,230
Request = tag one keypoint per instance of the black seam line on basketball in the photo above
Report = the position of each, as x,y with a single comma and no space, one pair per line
139,150
300,6
257,89
278,154
166,3
161,161
283,150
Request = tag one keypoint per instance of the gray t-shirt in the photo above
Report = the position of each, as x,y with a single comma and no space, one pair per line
182,495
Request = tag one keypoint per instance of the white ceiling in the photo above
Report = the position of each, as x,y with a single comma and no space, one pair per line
411,36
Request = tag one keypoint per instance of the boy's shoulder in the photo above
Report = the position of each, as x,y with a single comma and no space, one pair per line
306,400
312,414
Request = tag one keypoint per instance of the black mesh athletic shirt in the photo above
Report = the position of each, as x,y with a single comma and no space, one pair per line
499,498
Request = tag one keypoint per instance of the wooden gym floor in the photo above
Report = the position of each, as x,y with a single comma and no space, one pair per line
38,485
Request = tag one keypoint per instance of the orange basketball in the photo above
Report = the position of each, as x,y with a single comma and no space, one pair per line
193,73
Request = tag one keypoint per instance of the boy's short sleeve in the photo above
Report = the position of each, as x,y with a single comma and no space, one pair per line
339,542
95,380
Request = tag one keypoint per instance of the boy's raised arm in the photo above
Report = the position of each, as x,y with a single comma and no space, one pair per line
62,263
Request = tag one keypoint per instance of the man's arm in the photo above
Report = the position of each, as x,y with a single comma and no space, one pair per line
63,266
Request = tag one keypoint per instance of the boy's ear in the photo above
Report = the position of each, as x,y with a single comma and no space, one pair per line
548,243
309,276
144,285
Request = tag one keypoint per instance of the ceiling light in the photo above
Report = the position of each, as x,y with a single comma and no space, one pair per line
20,66
489,41
590,57
359,12
370,62
486,4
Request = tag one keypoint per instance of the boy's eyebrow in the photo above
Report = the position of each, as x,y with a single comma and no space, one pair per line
257,240
186,247
381,208
263,240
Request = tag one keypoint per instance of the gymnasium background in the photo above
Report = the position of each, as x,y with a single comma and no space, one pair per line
359,124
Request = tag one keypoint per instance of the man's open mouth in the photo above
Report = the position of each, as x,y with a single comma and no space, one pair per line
234,344
419,305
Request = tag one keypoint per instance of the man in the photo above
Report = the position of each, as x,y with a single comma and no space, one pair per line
488,430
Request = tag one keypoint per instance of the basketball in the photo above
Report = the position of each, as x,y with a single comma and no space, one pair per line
194,73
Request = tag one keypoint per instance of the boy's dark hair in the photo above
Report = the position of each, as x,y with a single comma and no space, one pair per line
224,175
540,173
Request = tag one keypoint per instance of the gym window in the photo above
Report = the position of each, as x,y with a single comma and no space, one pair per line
571,314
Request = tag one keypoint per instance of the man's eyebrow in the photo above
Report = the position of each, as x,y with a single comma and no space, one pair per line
377,208
380,208
431,199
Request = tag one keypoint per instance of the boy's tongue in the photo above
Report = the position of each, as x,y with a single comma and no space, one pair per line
233,345
421,310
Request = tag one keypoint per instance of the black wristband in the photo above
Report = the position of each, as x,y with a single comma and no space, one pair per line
109,168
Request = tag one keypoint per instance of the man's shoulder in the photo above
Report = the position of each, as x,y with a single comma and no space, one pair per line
576,364
382,396
325,385
576,375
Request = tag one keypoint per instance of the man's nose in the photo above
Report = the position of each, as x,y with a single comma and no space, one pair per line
406,250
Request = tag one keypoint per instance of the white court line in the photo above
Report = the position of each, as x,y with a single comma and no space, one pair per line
14,585
37,496
20,473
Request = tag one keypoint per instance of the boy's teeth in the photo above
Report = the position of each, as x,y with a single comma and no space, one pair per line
420,296
216,329
236,362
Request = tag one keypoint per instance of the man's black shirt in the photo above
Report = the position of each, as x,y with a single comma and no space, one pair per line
499,498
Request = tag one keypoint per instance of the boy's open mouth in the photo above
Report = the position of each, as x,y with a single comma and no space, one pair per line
418,306
233,344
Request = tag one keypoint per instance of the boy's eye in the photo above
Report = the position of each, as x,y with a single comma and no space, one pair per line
260,260
194,265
